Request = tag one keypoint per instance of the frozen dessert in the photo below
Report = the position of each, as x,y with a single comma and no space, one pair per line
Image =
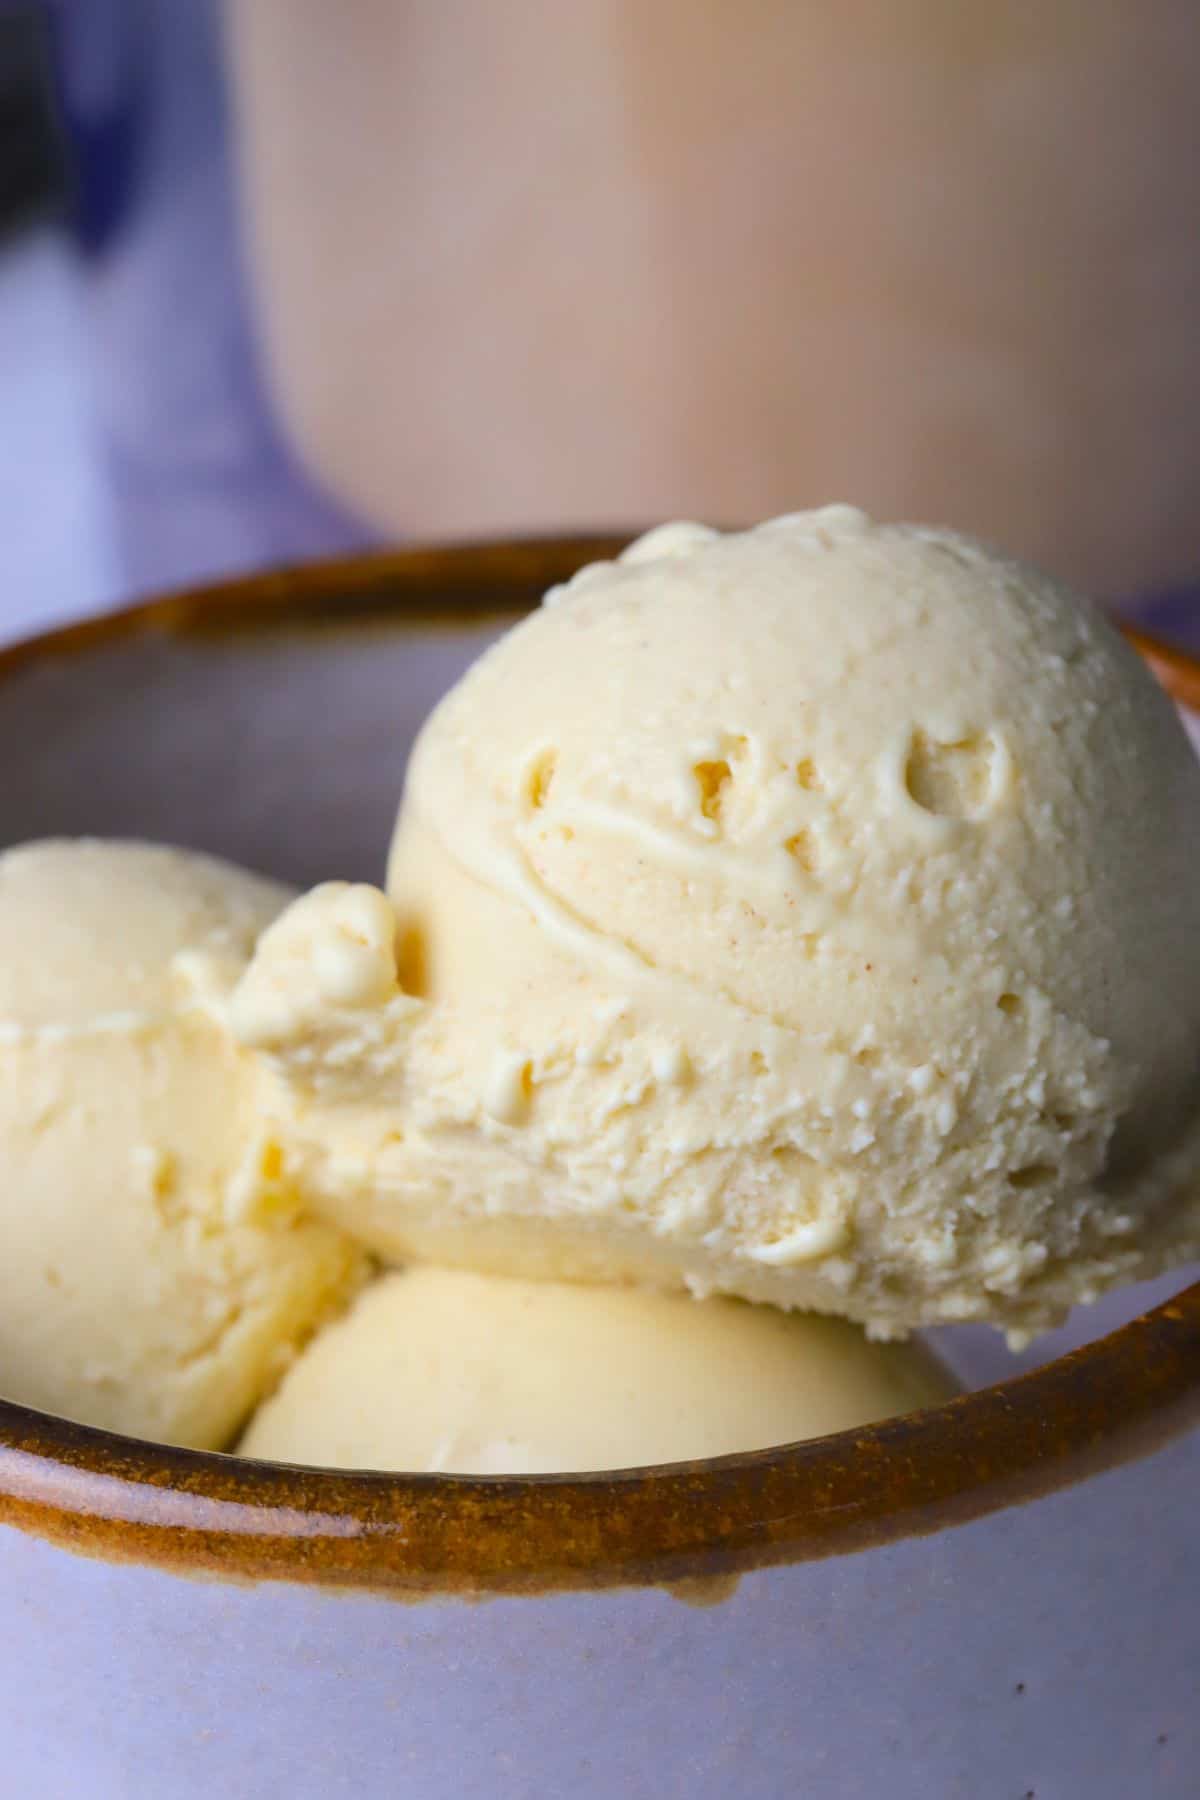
809,914
447,1369
156,1272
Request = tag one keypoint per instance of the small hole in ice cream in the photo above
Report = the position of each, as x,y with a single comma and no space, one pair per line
801,849
1009,1003
412,964
791,1158
953,780
539,778
712,778
1034,1176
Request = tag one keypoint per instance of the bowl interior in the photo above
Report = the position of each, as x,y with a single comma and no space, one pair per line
270,722
283,749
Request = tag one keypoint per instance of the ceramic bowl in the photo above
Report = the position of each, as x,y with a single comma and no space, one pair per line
994,1599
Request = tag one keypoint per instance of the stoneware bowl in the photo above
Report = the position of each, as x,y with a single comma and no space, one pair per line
995,1599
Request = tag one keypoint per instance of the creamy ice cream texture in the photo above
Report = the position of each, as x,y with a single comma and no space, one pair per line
446,1369
809,914
155,1272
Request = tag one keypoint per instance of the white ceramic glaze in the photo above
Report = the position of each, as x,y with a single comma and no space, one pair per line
1050,1650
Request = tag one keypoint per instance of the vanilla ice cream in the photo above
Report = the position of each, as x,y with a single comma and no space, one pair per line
155,1273
447,1369
810,914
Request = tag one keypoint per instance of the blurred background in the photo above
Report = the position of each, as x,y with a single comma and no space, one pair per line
285,277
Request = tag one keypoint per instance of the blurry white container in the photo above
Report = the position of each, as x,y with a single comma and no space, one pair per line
525,267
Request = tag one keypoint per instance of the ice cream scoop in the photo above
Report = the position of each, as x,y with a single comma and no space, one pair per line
155,1273
445,1369
810,914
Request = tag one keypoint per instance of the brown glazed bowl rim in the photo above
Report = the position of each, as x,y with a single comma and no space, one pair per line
692,1527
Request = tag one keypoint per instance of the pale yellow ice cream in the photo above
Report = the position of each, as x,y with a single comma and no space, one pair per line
447,1369
810,914
155,1274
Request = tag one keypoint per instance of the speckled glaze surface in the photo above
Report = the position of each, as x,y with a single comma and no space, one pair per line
993,1600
